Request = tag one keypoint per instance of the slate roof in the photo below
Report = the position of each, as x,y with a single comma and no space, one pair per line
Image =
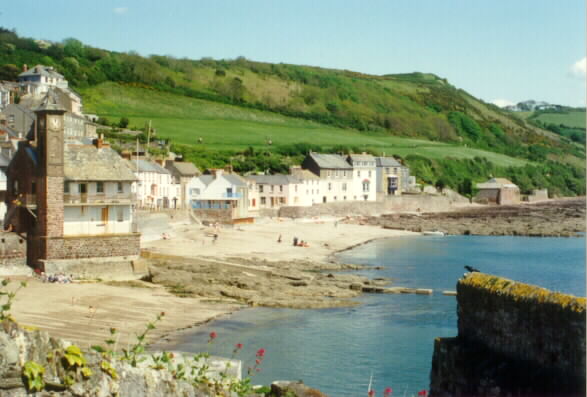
88,163
235,179
41,70
51,101
232,178
361,157
277,179
183,168
387,162
305,175
330,161
146,166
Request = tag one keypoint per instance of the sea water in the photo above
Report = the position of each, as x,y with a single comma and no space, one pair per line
389,338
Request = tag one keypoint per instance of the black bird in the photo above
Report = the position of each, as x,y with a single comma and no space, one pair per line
471,269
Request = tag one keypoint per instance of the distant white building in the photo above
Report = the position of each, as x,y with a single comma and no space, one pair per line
219,196
155,188
278,190
364,176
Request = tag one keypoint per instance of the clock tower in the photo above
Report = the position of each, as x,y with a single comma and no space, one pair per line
50,175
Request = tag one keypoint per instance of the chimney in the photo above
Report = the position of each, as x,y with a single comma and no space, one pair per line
25,67
125,154
295,170
99,143
228,168
160,162
216,172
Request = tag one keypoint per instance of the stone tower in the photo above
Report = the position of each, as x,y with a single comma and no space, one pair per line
48,234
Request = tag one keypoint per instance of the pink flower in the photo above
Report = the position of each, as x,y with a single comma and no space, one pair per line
238,346
371,393
422,393
261,352
213,335
387,392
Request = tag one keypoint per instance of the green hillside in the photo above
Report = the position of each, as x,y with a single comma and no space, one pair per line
227,127
238,106
574,118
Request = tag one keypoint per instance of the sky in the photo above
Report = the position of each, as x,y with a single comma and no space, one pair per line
502,51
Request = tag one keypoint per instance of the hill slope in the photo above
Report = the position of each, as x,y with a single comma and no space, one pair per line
299,106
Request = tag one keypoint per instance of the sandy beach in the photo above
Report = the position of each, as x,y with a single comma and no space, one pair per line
84,312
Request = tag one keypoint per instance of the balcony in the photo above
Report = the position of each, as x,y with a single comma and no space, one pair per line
98,199
232,195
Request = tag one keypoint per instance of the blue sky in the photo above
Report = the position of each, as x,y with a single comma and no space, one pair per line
508,50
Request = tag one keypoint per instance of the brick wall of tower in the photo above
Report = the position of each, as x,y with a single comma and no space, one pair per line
50,206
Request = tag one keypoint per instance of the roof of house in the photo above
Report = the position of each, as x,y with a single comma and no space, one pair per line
360,157
233,179
183,168
330,161
305,175
146,166
88,163
387,162
277,179
41,70
496,183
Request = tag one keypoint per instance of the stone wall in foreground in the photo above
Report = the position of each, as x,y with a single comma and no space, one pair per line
513,339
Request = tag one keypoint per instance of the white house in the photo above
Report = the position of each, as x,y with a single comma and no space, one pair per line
364,176
219,196
278,190
155,188
311,185
336,176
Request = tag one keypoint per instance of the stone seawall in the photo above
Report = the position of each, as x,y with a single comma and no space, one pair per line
513,339
405,203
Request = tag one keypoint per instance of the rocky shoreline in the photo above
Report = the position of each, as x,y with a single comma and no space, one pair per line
297,284
553,218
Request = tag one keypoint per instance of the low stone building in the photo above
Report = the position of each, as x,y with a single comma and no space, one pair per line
73,200
498,191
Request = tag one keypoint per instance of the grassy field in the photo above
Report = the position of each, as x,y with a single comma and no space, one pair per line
185,120
573,118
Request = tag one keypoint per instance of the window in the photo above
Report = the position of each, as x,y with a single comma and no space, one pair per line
228,192
369,174
358,173
366,186
272,188
261,190
195,192
281,188
119,214
344,198
334,198
329,186
119,187
66,187
83,188
344,187
263,200
99,187
282,200
387,170
296,188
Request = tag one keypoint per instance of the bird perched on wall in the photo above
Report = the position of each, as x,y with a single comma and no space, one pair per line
471,269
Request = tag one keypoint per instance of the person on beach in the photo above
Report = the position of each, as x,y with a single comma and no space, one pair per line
295,241
215,237
279,239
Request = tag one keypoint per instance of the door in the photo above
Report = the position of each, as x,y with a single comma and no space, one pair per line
104,217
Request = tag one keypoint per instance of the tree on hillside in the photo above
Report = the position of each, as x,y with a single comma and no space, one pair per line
123,123
9,72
